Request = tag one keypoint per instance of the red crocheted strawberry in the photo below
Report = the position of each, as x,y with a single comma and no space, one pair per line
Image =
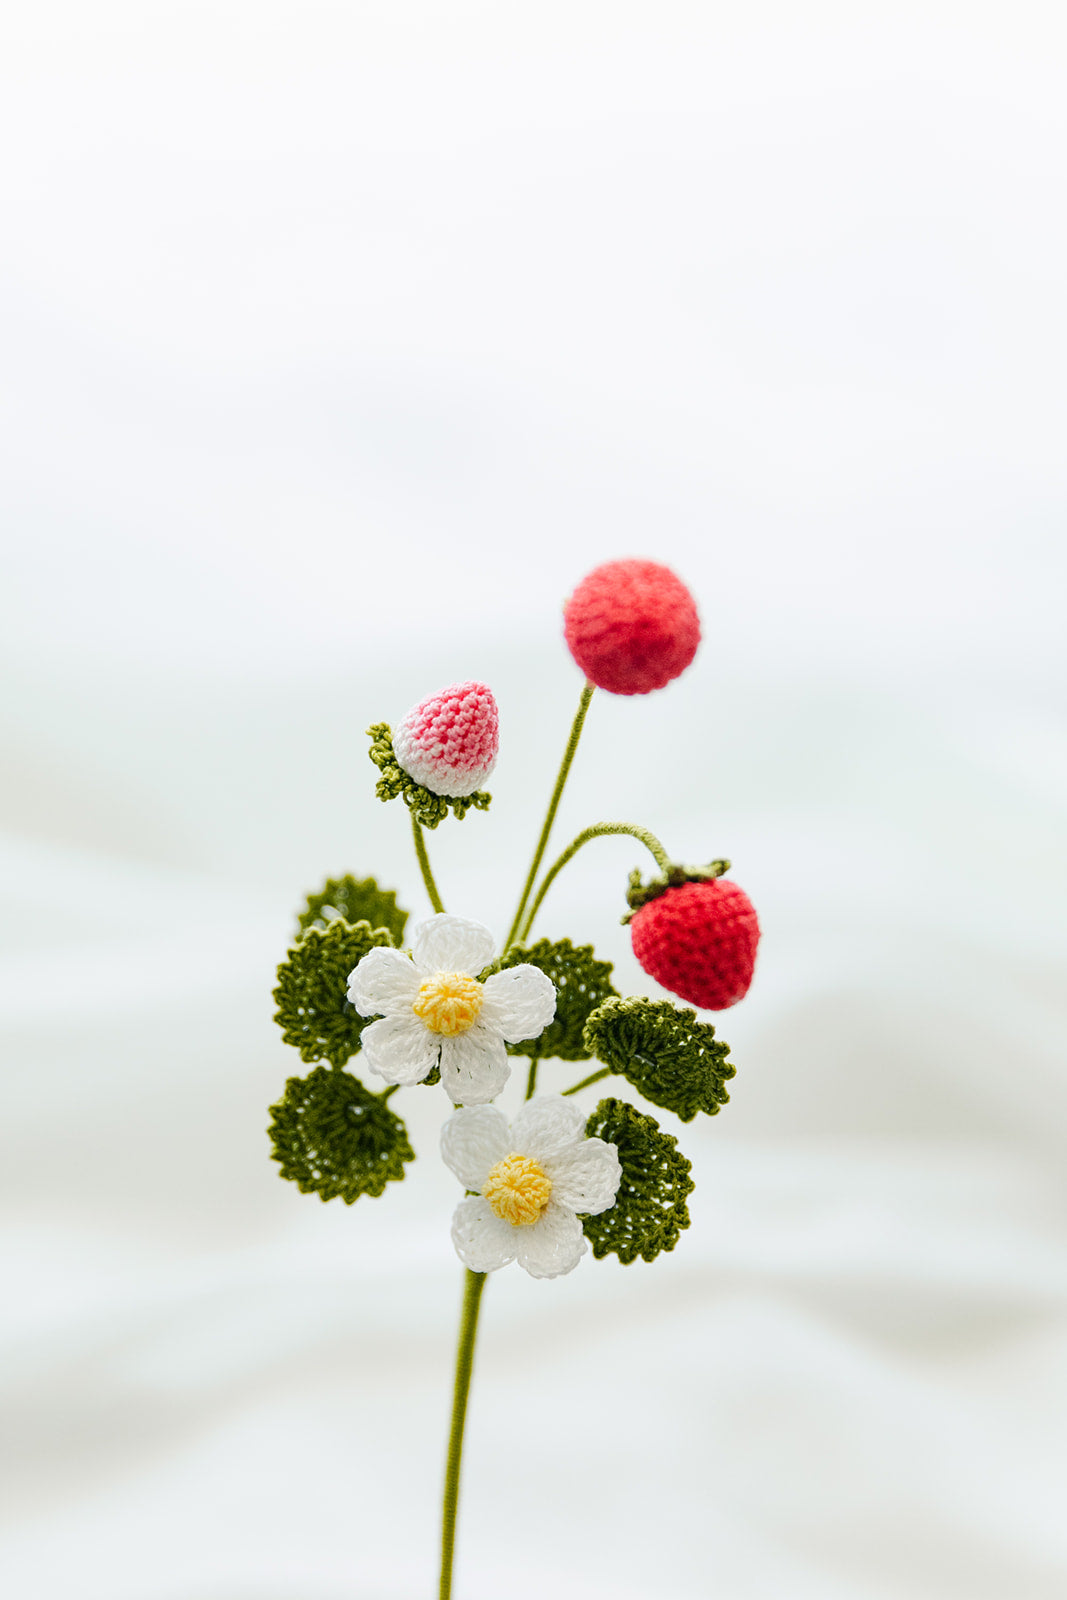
698,939
631,626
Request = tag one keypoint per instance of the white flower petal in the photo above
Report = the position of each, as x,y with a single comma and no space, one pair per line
585,1177
452,944
385,981
483,1240
552,1246
400,1049
521,1002
473,1140
546,1125
474,1065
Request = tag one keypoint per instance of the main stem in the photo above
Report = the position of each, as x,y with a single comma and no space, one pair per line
599,830
550,815
468,1329
424,864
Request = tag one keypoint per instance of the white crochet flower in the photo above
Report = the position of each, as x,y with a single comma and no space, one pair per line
435,1012
532,1180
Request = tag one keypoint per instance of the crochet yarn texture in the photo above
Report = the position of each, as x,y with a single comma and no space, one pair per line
332,1137
313,1013
427,807
669,1057
699,941
631,626
650,1209
449,741
354,900
581,982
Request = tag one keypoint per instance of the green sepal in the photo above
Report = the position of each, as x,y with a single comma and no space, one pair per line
582,983
639,893
354,900
334,1138
425,806
650,1209
314,1012
669,1057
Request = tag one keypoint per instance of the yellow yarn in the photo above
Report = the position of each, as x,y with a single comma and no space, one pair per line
449,1003
518,1190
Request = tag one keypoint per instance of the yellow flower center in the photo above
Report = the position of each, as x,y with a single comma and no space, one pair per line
449,1002
518,1190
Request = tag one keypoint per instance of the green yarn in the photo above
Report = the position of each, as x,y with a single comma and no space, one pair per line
582,983
354,900
650,1209
669,1057
334,1138
638,893
425,806
314,1012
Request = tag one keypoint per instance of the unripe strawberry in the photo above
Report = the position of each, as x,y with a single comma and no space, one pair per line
631,626
449,741
699,941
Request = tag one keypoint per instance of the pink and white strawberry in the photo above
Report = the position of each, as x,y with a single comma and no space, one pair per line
449,741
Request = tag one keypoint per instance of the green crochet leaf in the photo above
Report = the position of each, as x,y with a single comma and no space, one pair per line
650,1209
425,806
669,1057
314,1012
582,983
354,900
332,1137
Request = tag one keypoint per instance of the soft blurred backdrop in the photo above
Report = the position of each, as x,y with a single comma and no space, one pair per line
339,341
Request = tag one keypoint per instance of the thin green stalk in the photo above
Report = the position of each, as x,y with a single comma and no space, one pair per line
424,864
594,1077
553,806
598,831
468,1329
531,1078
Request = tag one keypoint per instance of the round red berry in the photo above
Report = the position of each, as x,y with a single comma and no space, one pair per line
699,941
631,626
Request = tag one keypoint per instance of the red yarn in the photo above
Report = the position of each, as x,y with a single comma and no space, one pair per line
699,941
631,626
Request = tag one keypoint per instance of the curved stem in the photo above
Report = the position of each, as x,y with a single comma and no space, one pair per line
424,864
598,831
553,806
468,1329
594,1077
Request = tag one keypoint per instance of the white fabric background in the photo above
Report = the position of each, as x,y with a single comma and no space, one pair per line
340,341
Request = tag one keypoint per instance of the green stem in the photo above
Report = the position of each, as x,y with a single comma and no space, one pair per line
594,1077
598,831
468,1329
424,864
553,806
531,1078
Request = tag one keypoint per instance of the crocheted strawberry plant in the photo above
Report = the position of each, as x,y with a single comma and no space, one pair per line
455,1008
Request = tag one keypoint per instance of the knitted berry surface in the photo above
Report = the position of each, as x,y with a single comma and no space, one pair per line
699,941
631,626
449,742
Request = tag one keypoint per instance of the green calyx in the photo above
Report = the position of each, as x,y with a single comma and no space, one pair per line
332,1137
650,1209
426,807
314,1012
354,900
582,984
639,894
669,1057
